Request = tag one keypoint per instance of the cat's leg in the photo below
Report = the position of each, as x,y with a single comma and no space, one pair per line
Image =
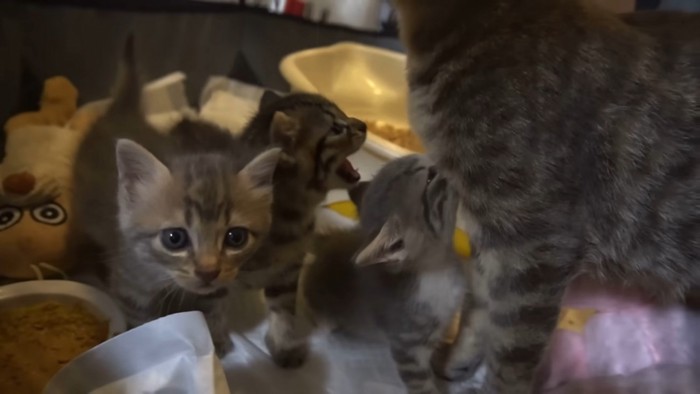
524,289
461,359
139,304
134,313
286,339
216,317
412,355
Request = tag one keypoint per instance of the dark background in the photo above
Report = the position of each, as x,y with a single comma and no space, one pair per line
82,40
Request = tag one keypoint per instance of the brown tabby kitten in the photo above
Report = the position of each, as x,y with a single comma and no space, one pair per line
574,139
316,138
176,216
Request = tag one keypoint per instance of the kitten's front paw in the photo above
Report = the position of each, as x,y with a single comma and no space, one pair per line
291,358
223,345
287,357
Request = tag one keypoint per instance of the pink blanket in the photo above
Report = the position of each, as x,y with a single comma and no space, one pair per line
605,332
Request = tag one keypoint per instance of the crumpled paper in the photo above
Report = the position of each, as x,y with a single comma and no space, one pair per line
174,354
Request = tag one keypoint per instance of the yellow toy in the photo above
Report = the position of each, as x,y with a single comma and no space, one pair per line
59,102
36,185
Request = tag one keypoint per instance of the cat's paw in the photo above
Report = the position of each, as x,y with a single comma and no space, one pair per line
289,357
223,345
445,366
459,373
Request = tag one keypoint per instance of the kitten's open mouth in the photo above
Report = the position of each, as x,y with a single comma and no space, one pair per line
347,172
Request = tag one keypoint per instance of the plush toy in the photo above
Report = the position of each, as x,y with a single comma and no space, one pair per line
59,101
35,196
35,186
36,174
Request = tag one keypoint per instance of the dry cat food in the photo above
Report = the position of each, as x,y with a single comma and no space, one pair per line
37,340
403,137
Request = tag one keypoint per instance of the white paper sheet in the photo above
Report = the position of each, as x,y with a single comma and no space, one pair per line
174,354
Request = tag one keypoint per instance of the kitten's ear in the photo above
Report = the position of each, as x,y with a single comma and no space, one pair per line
260,171
387,246
284,129
268,98
357,193
138,172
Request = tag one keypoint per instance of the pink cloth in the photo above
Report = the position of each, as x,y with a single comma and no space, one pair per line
626,335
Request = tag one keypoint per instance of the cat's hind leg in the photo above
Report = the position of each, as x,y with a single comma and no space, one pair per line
461,359
524,288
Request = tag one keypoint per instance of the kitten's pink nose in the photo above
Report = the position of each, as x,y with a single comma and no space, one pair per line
207,275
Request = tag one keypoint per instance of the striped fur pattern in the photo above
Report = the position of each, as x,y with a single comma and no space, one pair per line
176,217
316,138
398,274
573,138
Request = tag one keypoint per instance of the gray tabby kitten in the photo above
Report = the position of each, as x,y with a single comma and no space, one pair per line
176,219
574,140
316,138
398,273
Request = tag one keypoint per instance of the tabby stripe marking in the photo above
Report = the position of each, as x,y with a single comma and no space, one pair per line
536,316
519,354
318,167
279,290
289,214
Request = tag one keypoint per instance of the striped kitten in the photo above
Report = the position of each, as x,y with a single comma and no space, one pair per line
176,219
573,137
316,138
398,273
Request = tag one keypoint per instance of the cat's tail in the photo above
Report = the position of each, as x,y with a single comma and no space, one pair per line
127,92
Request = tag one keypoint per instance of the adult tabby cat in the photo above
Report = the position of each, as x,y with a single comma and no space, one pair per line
574,140
398,274
175,215
316,138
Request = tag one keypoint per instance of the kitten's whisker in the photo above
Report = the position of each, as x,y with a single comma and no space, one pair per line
182,299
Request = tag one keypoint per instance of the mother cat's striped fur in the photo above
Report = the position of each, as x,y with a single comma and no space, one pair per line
574,139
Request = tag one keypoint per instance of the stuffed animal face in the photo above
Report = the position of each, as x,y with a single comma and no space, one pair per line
35,195
33,233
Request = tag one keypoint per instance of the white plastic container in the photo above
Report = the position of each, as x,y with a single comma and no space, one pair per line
368,83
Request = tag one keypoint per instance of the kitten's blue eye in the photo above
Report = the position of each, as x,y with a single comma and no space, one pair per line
236,237
174,239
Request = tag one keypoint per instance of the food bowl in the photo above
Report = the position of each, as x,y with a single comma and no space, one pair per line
366,82
93,300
